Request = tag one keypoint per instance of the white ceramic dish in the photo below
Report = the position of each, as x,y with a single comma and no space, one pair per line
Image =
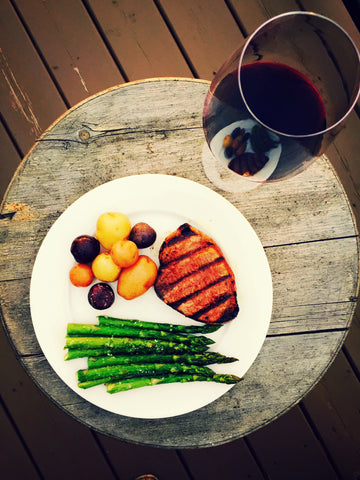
165,202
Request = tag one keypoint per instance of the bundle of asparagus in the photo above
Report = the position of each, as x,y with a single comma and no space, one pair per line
125,354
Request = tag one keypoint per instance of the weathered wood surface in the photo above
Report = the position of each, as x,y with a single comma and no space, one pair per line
305,225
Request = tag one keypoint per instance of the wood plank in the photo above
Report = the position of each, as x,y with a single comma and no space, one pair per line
139,38
343,155
351,345
129,460
10,160
233,460
261,10
334,409
71,46
254,14
275,446
295,318
337,11
291,313
20,318
14,459
29,101
291,264
207,30
56,441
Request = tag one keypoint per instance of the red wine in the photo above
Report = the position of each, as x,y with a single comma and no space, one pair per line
282,98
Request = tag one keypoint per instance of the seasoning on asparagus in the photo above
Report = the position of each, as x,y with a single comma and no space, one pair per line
132,345
131,383
118,372
169,327
83,329
206,358
74,353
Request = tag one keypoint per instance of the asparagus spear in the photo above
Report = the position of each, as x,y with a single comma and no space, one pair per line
73,353
169,327
131,345
93,383
130,383
117,372
83,329
205,358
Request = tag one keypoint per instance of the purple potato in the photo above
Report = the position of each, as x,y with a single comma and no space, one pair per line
101,296
142,235
85,248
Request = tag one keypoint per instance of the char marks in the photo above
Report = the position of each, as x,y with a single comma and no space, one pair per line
194,277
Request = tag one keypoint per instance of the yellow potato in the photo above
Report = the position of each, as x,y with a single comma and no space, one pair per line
112,226
104,268
137,279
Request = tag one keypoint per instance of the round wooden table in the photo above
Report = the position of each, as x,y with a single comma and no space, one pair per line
305,225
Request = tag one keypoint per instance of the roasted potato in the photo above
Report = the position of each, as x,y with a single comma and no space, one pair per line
112,226
124,253
137,279
104,268
142,235
101,296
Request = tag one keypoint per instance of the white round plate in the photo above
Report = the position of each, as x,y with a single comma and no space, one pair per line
165,202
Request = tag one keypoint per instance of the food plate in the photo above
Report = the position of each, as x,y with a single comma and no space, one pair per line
165,202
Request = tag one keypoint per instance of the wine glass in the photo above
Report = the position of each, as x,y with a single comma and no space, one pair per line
279,101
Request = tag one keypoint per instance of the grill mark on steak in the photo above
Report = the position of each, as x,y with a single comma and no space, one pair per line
216,303
186,232
222,312
194,277
173,251
182,256
177,303
188,265
206,296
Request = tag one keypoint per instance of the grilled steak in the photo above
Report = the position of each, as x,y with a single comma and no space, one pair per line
194,278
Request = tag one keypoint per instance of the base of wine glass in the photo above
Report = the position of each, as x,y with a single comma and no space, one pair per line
222,176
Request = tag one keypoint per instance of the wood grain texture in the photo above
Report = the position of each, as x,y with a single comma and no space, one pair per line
218,462
163,463
68,39
139,38
338,417
15,461
206,47
10,160
289,433
29,101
